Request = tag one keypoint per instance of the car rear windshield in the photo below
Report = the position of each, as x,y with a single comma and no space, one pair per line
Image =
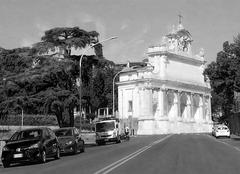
26,134
63,132
222,128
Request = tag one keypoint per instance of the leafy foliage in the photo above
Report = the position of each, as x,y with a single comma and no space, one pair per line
65,39
224,75
44,84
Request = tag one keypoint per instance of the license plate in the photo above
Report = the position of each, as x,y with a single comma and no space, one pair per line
19,155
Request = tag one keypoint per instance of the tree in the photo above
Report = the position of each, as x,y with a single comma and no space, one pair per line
47,83
224,75
64,39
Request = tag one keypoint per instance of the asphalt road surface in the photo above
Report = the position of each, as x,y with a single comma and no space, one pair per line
162,154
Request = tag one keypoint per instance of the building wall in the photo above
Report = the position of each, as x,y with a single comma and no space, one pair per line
180,71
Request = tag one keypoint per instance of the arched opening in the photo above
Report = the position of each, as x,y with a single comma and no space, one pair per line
170,104
183,105
196,101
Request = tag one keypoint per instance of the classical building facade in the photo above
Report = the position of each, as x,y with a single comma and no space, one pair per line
170,94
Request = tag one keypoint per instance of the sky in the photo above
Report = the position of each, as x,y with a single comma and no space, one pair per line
137,23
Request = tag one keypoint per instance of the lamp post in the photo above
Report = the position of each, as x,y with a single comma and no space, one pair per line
113,96
80,75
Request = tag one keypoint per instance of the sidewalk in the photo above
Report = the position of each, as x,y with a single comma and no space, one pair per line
235,137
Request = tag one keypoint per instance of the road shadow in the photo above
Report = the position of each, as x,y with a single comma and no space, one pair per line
29,163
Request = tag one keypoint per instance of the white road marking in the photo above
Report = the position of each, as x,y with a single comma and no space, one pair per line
118,163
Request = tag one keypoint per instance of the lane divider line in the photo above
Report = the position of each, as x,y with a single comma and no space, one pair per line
118,163
105,168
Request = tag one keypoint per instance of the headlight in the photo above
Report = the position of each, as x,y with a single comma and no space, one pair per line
70,142
34,146
5,148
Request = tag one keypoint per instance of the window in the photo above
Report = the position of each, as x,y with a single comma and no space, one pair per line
130,106
64,132
51,133
26,134
76,132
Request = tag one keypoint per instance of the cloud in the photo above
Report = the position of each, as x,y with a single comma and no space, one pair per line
90,22
126,49
123,26
27,42
41,27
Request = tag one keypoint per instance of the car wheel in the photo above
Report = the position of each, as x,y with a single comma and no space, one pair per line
43,157
83,148
5,164
57,156
100,143
75,149
118,140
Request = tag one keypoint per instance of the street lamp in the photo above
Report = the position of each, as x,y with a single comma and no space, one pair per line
80,74
113,97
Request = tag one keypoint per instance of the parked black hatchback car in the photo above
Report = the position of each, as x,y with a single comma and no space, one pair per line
30,145
70,140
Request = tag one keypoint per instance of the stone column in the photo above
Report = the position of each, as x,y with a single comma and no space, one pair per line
141,98
188,115
179,105
199,117
208,106
146,103
204,108
135,100
161,97
144,107
191,109
150,104
210,109
175,105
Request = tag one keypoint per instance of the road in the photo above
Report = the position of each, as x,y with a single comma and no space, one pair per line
160,154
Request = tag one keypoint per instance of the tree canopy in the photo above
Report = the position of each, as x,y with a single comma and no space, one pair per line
40,83
224,75
64,39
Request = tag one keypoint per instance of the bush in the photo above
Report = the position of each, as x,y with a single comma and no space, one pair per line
29,120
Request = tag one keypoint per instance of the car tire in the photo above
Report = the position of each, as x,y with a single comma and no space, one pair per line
43,156
101,143
83,148
118,140
5,164
57,156
75,148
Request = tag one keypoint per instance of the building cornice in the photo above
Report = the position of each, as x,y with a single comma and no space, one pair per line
175,85
178,57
